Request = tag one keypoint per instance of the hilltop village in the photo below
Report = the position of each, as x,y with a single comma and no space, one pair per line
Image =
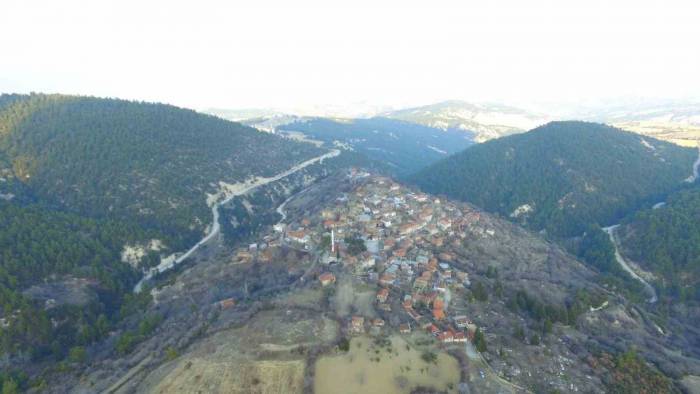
393,238
370,284
393,261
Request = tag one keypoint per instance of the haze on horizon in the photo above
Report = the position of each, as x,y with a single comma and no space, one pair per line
311,53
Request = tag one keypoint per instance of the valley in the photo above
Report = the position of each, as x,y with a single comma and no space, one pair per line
401,147
614,239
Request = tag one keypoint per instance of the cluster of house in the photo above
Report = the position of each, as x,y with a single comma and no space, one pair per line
394,237
405,234
260,251
357,324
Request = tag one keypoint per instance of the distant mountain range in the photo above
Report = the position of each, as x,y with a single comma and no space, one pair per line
486,121
403,147
242,114
673,121
351,110
668,111
270,124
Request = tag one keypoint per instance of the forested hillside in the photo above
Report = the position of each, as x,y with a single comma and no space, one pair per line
82,177
563,176
403,147
666,242
43,247
150,163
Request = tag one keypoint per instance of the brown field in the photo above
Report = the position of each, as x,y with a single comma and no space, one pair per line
679,134
399,370
259,357
233,377
352,298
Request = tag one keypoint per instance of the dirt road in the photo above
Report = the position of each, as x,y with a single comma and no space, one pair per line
234,191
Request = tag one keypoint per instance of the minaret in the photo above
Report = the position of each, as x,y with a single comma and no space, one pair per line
332,241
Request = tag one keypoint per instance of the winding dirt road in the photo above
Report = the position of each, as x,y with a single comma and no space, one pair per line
171,261
611,230
621,260
696,168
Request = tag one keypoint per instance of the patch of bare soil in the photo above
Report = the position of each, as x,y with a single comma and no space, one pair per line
264,356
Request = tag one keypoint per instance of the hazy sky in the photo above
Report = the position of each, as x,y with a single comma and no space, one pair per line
299,53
